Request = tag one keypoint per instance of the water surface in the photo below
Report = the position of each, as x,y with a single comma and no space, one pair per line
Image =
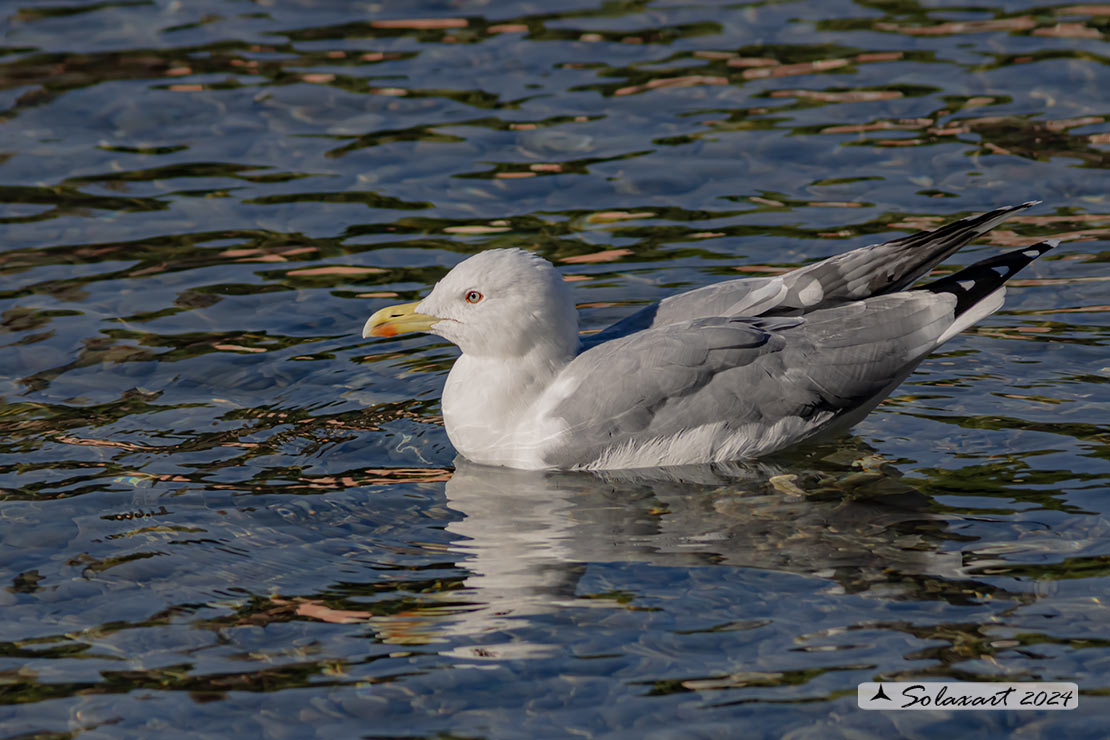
223,513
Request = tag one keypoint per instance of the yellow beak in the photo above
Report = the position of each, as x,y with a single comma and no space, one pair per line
394,320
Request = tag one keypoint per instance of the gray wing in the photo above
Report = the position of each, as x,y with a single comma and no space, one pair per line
861,273
745,375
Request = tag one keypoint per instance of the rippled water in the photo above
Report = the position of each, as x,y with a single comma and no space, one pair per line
222,512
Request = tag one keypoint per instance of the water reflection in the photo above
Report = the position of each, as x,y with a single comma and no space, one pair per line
527,537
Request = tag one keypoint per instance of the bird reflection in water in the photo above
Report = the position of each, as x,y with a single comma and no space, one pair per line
527,537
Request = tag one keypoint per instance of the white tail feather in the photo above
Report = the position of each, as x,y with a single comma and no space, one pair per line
984,308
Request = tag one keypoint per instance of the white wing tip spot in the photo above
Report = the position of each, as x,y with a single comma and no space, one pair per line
812,294
967,284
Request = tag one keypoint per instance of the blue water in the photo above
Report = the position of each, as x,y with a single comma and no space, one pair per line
223,513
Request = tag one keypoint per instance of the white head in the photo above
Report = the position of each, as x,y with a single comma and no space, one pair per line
499,303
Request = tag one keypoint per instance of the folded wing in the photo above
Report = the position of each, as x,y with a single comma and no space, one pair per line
861,273
727,387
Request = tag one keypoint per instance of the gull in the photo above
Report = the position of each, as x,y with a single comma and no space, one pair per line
729,371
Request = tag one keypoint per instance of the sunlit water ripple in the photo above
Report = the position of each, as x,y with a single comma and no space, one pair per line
223,513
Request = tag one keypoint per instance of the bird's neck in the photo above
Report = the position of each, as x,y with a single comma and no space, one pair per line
487,401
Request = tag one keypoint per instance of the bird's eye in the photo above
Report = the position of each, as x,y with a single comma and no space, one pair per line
473,296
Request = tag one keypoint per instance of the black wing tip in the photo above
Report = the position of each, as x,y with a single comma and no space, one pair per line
1002,212
974,283
949,237
1018,207
995,212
